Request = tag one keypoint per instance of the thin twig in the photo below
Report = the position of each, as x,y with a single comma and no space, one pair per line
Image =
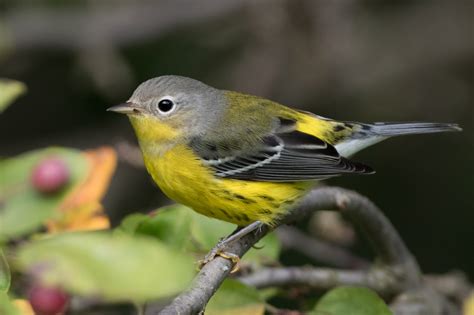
380,280
386,242
319,250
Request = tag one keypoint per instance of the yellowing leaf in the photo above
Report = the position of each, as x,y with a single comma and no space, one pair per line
82,210
107,267
97,222
24,307
102,163
9,91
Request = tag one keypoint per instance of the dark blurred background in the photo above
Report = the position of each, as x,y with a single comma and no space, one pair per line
347,59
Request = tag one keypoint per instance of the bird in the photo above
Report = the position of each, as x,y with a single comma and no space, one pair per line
242,158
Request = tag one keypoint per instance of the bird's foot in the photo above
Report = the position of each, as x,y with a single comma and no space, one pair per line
218,250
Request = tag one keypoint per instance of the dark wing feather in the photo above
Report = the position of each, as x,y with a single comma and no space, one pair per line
286,156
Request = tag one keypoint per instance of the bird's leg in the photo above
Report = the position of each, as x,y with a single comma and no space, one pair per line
218,250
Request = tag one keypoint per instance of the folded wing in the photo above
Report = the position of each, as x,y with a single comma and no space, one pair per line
287,155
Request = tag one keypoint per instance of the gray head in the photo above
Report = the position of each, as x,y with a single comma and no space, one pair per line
178,101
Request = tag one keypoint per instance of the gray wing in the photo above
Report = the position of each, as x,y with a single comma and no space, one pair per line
285,156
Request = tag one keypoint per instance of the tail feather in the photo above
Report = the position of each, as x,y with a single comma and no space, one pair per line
385,129
370,134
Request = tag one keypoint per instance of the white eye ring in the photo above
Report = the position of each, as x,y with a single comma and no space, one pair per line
166,105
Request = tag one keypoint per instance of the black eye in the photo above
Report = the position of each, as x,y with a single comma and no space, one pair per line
165,105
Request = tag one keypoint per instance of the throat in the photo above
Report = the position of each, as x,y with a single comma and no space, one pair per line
152,130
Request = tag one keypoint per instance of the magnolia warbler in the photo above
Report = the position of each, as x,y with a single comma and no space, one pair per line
242,158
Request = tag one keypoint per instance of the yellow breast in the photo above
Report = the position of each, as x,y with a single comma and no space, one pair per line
182,177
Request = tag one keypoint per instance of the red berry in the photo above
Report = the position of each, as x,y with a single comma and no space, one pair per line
50,175
48,300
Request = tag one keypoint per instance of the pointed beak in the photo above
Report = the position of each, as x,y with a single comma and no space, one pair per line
125,108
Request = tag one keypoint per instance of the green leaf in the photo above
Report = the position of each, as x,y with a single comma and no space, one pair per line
9,91
6,306
206,232
351,300
171,225
114,268
265,251
22,208
187,230
234,297
5,275
130,223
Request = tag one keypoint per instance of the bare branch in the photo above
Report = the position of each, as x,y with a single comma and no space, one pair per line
431,298
423,301
454,285
386,242
380,280
318,250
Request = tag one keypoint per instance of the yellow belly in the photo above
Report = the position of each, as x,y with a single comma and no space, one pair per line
181,176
